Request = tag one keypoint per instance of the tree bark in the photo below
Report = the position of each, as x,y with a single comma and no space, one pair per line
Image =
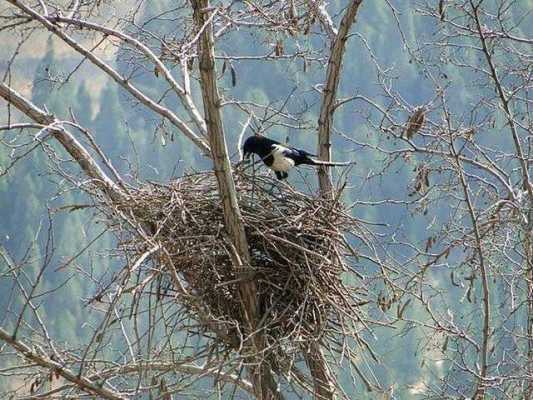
322,378
327,108
528,244
261,376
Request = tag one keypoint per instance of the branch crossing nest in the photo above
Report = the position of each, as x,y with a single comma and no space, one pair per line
296,245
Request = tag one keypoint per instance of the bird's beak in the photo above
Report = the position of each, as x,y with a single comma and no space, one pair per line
245,157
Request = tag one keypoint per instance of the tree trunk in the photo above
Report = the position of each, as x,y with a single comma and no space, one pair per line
322,378
261,376
328,97
528,244
318,366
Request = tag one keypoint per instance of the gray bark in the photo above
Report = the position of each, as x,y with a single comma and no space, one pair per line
327,108
322,378
261,376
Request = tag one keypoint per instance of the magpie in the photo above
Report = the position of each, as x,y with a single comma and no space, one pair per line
278,157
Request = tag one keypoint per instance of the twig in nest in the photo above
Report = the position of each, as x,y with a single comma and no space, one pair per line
294,243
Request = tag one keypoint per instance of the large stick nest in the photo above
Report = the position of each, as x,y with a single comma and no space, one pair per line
296,245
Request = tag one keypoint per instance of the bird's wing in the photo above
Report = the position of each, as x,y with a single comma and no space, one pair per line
296,155
279,148
305,153
283,158
289,152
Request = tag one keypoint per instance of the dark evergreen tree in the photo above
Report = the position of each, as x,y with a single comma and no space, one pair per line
42,84
83,110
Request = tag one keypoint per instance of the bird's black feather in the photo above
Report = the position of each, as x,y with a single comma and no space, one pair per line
280,157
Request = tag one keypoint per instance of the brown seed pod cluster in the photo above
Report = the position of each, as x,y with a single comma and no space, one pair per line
415,122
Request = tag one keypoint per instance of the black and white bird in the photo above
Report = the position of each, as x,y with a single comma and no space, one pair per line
279,157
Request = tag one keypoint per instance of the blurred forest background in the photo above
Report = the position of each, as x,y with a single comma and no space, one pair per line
34,201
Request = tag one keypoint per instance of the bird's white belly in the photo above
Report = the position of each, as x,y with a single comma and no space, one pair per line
281,163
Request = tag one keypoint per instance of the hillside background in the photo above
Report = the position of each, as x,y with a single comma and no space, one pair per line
33,199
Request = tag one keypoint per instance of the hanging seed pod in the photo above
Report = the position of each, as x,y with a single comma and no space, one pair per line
224,65
442,10
401,309
278,49
233,76
415,122
293,16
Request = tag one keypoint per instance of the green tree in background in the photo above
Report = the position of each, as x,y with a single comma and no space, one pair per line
84,106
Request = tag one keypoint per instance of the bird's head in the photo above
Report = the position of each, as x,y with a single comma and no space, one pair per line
249,147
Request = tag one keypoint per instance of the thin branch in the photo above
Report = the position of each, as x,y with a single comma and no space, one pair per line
118,78
480,390
82,382
183,94
241,136
69,142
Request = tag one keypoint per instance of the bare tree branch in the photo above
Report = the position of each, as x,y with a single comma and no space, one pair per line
262,379
87,385
183,92
329,92
122,81
67,140
315,360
